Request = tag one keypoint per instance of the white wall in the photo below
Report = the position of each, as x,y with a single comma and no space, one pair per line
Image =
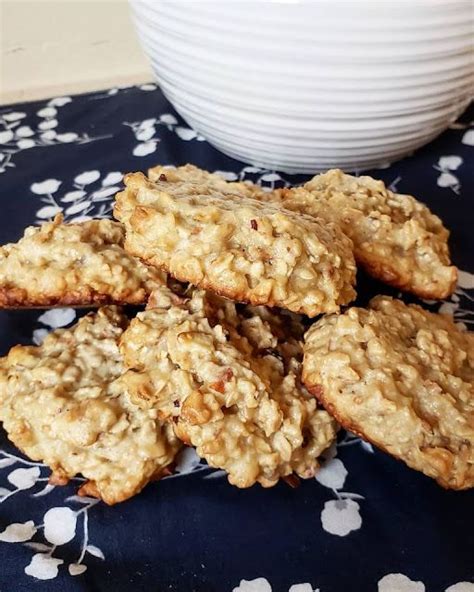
54,47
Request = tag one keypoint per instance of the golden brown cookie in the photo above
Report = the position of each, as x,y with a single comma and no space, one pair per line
229,384
234,245
396,238
402,378
80,264
64,403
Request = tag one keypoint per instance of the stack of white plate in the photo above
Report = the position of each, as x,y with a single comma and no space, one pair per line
301,86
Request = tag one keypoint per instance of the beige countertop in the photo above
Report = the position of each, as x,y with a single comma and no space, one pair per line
56,47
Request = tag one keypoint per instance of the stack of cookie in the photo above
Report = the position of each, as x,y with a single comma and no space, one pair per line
231,276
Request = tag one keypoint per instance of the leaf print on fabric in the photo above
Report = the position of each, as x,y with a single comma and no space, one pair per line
90,195
20,131
6,462
24,478
112,179
46,187
95,551
465,280
145,148
185,133
18,532
13,116
58,524
38,547
146,133
468,138
76,569
87,178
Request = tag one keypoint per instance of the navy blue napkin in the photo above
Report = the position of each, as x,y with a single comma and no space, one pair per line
366,523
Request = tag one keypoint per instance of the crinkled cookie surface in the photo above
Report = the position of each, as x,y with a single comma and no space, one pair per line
234,245
402,378
396,238
63,402
200,177
73,264
229,382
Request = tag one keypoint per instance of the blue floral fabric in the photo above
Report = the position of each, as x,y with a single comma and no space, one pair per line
367,522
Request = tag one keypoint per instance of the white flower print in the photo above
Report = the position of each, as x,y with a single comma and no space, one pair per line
43,566
19,131
394,582
332,474
59,525
257,585
446,165
399,583
53,319
340,516
149,86
468,138
112,92
90,195
145,132
57,317
266,178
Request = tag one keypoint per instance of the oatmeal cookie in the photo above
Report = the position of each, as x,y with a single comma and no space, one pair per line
64,403
402,378
234,245
229,384
79,264
396,238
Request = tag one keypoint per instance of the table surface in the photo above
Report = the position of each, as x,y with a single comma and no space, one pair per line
367,522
